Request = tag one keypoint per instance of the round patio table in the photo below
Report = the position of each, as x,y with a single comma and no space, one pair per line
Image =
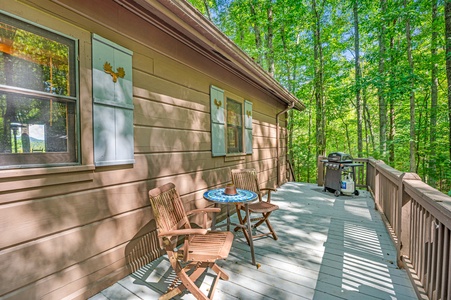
218,196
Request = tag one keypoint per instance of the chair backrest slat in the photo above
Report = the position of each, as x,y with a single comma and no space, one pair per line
168,208
245,179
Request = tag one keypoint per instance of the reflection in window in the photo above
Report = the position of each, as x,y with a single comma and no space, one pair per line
37,137
37,95
234,127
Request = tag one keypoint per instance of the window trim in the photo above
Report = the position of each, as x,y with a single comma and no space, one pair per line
35,158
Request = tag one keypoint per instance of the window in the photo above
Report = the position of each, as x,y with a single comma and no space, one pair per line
38,96
234,126
228,115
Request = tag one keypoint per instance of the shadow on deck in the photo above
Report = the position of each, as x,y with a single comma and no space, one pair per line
328,248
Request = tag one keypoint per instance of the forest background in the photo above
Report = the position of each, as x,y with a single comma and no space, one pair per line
372,74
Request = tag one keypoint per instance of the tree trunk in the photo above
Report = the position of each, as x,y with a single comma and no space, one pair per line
286,52
318,79
269,39
348,139
258,38
391,135
412,141
207,9
422,138
448,63
368,124
358,78
309,147
391,112
381,86
434,96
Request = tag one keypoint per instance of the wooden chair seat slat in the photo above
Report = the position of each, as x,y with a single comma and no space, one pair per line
262,207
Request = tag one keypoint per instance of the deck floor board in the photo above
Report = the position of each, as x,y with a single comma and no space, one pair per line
328,248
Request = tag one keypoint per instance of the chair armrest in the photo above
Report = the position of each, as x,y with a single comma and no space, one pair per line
268,189
178,232
268,199
204,210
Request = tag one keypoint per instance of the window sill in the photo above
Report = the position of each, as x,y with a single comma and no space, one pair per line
234,157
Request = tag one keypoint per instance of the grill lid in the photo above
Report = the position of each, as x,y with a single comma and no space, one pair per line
339,157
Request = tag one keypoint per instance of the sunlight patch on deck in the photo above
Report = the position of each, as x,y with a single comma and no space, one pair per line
361,239
356,274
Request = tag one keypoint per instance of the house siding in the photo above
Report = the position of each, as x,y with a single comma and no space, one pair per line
72,231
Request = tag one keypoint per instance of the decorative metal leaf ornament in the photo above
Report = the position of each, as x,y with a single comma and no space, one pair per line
120,72
109,70
218,103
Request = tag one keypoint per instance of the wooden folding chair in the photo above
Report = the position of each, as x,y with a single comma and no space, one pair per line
200,248
247,179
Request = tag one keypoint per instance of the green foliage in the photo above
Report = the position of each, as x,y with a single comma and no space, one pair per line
294,68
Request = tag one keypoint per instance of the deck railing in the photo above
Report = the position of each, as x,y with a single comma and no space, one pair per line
418,217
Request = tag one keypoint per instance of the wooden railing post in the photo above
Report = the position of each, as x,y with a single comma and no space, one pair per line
320,175
405,209
377,187
290,171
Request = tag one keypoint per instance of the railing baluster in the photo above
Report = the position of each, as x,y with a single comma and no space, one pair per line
428,252
446,279
413,226
415,236
433,258
439,261
420,246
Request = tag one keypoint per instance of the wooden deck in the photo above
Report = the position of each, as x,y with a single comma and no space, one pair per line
329,248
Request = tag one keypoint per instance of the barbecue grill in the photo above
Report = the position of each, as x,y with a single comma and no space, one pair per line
340,174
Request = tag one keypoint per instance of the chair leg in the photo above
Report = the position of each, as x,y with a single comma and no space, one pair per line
265,219
200,269
211,294
242,222
221,275
218,270
274,235
172,293
261,220
188,282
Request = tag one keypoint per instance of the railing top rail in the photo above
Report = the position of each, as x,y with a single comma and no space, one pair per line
389,172
363,160
434,201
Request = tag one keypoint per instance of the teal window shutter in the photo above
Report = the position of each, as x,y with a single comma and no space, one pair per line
248,126
113,103
217,112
